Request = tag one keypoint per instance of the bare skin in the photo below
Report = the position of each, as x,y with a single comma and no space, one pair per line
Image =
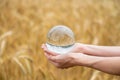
103,58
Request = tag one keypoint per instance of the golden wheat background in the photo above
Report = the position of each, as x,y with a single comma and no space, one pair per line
25,23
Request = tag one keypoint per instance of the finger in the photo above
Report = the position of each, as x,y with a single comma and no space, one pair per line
44,46
56,64
58,59
47,51
50,57
50,52
53,58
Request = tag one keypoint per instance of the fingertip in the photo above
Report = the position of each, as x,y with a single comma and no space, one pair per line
46,55
42,46
46,50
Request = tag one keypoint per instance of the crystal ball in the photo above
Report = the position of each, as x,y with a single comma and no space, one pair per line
60,39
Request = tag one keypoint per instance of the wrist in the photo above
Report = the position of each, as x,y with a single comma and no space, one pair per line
80,59
93,60
81,48
86,60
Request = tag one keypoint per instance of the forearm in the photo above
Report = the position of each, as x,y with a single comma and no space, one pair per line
109,65
102,50
106,64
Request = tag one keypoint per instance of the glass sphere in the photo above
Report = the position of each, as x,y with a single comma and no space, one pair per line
60,39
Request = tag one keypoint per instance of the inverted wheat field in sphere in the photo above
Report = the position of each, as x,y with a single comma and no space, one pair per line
60,39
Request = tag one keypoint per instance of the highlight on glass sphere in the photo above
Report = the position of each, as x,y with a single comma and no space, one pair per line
60,39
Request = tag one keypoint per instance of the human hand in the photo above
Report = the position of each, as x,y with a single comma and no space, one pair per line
73,58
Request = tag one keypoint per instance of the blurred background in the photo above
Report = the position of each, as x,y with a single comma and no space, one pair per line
25,23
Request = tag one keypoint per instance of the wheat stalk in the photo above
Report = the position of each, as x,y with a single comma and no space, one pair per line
20,65
94,75
9,33
93,21
20,55
2,47
26,57
28,65
28,61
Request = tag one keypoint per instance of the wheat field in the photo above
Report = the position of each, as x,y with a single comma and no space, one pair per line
25,23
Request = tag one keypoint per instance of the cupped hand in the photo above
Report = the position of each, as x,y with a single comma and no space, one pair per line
73,58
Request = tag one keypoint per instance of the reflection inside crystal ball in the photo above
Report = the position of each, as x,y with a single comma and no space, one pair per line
60,39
